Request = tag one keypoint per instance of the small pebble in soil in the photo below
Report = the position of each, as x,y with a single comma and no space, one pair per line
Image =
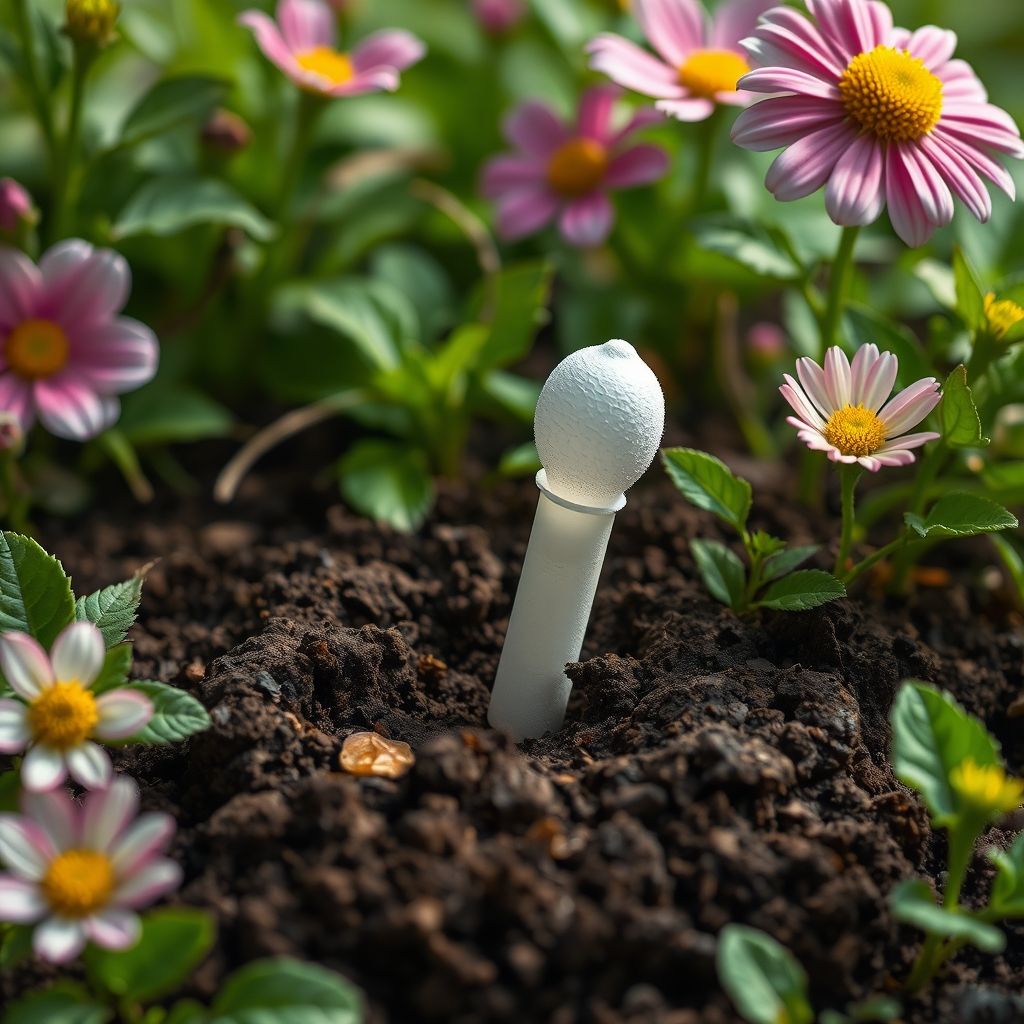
368,753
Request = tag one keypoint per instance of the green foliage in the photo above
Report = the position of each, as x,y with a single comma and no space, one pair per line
709,484
116,665
63,1003
970,296
746,243
171,103
763,979
961,424
113,609
962,515
801,591
913,903
388,482
35,592
159,415
176,714
1008,889
723,573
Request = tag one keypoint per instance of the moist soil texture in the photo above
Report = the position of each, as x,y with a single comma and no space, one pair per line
712,769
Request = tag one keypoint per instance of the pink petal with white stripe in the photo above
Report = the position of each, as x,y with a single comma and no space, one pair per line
25,665
123,713
675,28
59,940
14,730
150,883
89,765
20,901
108,812
78,653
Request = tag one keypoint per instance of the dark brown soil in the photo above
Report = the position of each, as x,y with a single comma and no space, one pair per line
712,770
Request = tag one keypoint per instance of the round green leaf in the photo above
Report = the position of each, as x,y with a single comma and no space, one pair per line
177,714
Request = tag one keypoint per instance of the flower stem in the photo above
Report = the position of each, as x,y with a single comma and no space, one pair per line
706,149
65,164
839,282
931,464
848,477
32,74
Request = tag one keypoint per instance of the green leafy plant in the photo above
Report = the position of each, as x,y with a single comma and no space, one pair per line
772,577
950,758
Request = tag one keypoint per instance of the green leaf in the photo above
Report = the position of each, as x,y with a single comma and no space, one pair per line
762,978
801,591
173,943
188,1011
522,460
113,609
63,1003
913,903
389,482
875,1008
962,515
15,944
10,790
864,325
520,310
747,244
723,573
171,103
961,425
783,563
172,415
176,714
117,663
931,735
970,296
286,992
709,484
512,394
1008,889
170,204
35,592
422,280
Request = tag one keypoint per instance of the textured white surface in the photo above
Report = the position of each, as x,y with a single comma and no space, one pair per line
600,418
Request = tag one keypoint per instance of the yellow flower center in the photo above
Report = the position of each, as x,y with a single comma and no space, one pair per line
987,787
709,72
1002,315
577,167
333,67
37,348
891,95
63,715
78,883
855,430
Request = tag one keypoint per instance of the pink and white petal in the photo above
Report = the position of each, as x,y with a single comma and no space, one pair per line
675,28
306,24
983,125
979,160
147,837
78,653
43,769
526,211
70,408
83,285
89,765
786,38
20,288
906,404
935,46
508,173
908,441
855,194
587,221
534,128
869,462
21,902
642,118
734,99
390,48
56,814
115,357
114,929
688,110
735,20
109,812
122,713
863,362
782,120
960,83
16,398
788,80
897,457
852,26
812,380
906,211
932,190
377,80
14,729
269,39
640,165
633,68
879,381
838,377
595,114
59,940
959,175
25,665
800,403
25,849
806,165
156,879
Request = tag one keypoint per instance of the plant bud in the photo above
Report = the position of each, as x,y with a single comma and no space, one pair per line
91,22
499,16
12,437
17,211
225,133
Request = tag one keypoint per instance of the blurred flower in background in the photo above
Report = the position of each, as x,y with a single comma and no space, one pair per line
499,16
17,211
67,353
1002,315
699,61
878,116
302,42
566,170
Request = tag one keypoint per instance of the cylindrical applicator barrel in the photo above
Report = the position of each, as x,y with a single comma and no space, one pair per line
549,618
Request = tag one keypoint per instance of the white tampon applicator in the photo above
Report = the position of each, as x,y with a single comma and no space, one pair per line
598,425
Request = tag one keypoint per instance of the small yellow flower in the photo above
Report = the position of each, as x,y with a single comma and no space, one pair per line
91,21
1002,315
987,787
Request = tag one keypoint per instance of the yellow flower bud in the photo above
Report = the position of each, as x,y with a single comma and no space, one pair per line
987,788
1002,315
91,21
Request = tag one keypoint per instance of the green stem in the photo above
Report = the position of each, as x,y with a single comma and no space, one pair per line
706,160
65,168
306,116
754,577
121,452
839,282
33,77
848,477
863,566
931,465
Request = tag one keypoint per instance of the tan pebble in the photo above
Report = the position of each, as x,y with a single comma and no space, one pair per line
367,753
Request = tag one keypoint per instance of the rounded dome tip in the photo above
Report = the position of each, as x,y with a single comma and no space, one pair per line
599,421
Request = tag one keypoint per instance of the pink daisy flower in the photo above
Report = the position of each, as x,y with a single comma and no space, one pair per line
56,715
79,873
64,352
878,115
566,170
840,411
303,44
699,60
